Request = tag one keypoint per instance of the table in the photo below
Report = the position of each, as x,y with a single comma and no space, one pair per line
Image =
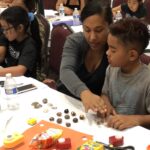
52,17
136,136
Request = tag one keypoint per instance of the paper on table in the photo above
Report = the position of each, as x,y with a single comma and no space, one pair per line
77,138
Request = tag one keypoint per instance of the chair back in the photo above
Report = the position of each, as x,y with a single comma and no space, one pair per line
44,30
59,34
145,59
147,6
50,4
117,2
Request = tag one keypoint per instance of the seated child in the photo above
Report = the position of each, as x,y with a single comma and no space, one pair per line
133,8
17,49
126,90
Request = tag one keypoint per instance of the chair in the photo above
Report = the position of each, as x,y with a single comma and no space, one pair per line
147,6
145,59
117,2
44,30
59,34
50,4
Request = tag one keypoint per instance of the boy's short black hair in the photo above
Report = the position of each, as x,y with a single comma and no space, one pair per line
132,33
15,16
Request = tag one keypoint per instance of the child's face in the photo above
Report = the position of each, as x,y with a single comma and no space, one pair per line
133,5
8,30
118,55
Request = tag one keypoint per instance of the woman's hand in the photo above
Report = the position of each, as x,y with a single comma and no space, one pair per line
122,122
93,102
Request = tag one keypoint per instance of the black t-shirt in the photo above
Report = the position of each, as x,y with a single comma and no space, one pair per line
93,80
20,53
72,6
140,13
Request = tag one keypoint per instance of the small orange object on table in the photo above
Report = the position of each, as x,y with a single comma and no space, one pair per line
148,147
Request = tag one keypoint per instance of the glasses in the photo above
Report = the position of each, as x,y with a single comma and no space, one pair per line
5,30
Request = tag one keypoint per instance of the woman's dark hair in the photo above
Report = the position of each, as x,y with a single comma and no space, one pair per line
131,32
15,16
100,7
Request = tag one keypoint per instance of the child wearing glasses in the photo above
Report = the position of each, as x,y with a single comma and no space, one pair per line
17,49
126,90
133,8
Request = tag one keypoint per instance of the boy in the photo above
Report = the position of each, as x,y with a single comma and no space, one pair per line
126,89
133,8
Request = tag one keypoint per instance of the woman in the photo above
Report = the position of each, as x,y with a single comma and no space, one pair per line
84,60
70,5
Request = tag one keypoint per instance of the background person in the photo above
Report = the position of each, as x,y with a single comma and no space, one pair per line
84,60
30,7
17,48
70,5
133,8
126,89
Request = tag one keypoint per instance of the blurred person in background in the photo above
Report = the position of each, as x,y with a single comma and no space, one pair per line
70,5
133,8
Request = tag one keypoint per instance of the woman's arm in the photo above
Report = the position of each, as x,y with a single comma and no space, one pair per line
70,63
67,10
15,70
2,53
82,4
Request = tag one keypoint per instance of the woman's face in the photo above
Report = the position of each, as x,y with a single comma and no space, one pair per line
133,5
95,30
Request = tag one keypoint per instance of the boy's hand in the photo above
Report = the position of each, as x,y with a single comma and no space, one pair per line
122,122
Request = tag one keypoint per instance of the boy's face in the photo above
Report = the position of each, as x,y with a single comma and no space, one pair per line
133,5
8,30
117,54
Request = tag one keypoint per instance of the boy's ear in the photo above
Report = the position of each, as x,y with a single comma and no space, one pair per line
133,55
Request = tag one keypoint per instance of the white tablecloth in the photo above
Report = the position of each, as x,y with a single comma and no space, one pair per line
11,121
